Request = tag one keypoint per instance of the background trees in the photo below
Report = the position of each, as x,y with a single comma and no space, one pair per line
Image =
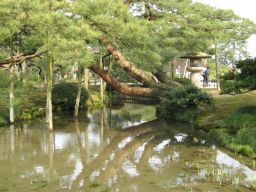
141,37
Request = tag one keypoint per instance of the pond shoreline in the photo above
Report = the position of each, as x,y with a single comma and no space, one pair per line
212,120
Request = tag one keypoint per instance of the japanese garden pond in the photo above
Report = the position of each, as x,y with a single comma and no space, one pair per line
120,150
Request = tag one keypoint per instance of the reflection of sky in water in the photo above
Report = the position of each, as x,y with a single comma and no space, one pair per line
124,142
94,137
224,160
139,152
67,180
39,169
94,174
180,137
129,168
162,145
155,162
132,123
159,157
63,140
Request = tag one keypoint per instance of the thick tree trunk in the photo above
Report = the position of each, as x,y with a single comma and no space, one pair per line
123,88
78,95
49,116
139,75
145,78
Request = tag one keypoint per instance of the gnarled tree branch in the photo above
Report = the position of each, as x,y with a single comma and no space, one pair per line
123,88
20,58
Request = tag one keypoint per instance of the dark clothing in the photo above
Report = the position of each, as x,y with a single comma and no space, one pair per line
206,76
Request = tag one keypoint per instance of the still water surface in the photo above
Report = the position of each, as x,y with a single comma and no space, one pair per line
119,150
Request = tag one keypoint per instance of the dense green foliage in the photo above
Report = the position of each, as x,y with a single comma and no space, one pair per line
241,81
238,131
184,81
183,103
150,38
64,96
68,33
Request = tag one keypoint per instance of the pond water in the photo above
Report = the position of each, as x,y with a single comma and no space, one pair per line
119,150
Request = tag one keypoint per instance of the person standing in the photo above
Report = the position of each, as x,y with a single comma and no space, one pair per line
206,75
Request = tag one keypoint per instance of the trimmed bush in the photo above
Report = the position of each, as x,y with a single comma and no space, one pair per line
64,96
182,104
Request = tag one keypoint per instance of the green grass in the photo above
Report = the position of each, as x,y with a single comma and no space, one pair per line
224,105
232,122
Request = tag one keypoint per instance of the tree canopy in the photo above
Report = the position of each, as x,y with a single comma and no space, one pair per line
150,38
140,36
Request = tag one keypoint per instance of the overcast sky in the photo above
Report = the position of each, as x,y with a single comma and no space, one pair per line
243,8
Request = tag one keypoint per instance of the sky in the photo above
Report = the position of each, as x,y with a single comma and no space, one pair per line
243,8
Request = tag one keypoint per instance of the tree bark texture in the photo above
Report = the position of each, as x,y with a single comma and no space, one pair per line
138,74
123,88
131,69
78,95
49,115
11,97
86,78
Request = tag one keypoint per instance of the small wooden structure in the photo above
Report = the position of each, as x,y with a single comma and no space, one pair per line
197,63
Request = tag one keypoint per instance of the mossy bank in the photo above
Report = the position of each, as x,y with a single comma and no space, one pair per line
231,121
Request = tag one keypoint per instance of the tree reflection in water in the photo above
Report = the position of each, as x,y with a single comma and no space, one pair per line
89,154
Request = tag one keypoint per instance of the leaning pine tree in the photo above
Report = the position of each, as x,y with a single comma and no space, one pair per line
56,31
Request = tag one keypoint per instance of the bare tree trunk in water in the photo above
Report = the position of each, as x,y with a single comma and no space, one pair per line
49,116
78,95
11,96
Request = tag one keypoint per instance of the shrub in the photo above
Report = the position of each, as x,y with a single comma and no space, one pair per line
248,109
231,75
222,136
230,86
64,96
242,149
3,121
243,81
183,81
246,136
239,133
25,116
244,117
182,103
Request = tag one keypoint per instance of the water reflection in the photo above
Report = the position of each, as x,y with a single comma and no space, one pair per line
91,155
232,166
